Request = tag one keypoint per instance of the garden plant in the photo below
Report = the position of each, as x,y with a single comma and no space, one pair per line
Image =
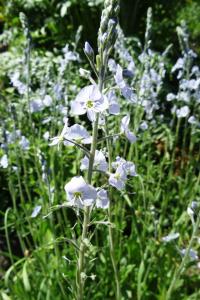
99,165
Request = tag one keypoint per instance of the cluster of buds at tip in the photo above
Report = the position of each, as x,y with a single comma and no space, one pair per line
107,32
148,28
24,22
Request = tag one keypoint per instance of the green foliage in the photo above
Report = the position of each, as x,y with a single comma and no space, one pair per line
191,14
38,253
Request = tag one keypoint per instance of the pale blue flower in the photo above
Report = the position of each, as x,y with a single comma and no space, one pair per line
192,254
46,135
118,179
58,139
47,100
128,166
118,162
68,56
78,134
192,120
179,65
102,199
90,101
100,162
125,89
144,125
183,96
125,129
171,97
114,107
58,91
79,193
24,143
21,87
36,211
36,105
11,137
112,65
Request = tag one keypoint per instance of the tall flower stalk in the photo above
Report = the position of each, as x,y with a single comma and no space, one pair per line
106,41
81,259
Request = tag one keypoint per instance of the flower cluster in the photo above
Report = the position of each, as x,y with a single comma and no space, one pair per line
186,100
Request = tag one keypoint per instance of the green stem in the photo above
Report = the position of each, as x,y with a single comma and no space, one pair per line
180,269
111,239
80,279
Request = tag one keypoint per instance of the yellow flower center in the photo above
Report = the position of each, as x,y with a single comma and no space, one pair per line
89,104
117,176
77,195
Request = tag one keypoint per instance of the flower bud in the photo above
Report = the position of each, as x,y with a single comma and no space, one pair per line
84,73
88,50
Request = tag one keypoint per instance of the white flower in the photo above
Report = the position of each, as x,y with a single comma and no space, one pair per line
170,237
78,134
102,199
183,112
79,193
4,161
89,100
100,162
124,129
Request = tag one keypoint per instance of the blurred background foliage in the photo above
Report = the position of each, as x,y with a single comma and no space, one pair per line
54,22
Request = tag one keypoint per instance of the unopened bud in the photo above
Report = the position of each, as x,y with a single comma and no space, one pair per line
84,73
88,50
